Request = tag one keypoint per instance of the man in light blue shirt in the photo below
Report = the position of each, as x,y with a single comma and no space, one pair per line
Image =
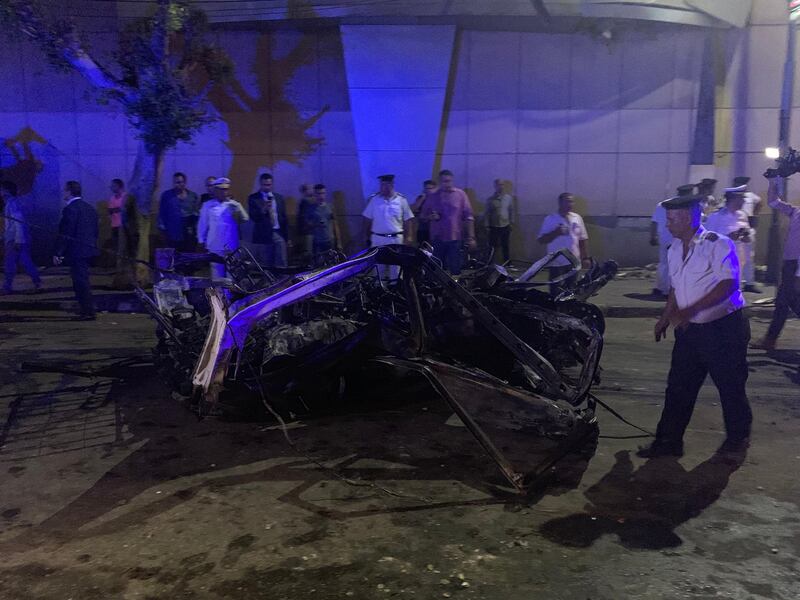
499,217
17,239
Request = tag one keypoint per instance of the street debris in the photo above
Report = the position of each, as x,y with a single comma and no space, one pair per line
505,355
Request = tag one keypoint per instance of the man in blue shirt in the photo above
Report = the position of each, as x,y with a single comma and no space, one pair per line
321,222
178,211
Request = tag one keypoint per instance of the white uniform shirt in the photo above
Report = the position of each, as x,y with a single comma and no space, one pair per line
577,232
711,258
660,219
387,214
217,228
726,221
751,200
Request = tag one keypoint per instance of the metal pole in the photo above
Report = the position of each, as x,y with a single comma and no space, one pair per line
774,248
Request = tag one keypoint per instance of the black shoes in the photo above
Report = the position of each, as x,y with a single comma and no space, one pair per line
659,294
661,448
734,446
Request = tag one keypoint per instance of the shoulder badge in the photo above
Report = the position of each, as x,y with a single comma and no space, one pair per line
711,236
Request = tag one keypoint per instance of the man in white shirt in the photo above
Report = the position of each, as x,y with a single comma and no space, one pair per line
387,220
788,296
751,208
705,189
711,331
218,227
731,221
564,229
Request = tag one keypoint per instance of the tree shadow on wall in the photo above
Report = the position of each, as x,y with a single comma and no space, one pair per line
643,507
26,166
267,124
30,161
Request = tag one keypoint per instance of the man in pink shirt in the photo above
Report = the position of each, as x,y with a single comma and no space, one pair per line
449,214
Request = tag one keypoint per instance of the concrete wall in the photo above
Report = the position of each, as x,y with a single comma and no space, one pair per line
610,120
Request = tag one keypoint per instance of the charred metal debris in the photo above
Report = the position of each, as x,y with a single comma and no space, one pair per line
500,350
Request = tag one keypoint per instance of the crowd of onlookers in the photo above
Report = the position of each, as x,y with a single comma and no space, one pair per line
441,216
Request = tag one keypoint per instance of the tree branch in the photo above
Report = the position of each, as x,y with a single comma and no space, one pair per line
61,44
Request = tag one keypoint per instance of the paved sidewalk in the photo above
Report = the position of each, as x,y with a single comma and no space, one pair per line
625,297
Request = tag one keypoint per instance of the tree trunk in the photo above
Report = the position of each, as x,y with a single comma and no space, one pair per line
144,187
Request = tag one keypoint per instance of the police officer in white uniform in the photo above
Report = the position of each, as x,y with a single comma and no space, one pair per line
661,237
711,331
751,208
388,220
218,226
731,221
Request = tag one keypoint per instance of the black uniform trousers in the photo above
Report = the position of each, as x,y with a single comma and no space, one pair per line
718,348
499,236
785,300
79,271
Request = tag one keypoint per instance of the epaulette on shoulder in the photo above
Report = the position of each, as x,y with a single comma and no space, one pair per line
711,236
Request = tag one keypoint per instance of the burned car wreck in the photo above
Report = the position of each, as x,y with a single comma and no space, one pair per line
506,356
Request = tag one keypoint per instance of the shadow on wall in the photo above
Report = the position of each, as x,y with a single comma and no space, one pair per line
266,124
31,162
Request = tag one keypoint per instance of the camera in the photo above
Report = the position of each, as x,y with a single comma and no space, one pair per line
786,165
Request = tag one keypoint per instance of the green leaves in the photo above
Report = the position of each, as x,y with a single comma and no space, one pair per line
165,66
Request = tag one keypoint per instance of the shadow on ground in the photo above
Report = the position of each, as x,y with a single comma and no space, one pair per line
389,458
645,297
643,507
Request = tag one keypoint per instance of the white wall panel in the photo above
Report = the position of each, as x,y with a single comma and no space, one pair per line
543,131
594,130
493,131
645,130
540,179
593,180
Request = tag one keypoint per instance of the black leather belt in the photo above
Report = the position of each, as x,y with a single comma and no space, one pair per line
388,234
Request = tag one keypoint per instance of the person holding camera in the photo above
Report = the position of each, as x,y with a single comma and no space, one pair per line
564,229
267,210
788,296
711,331
423,233
731,221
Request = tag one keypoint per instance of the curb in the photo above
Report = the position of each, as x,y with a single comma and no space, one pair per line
129,303
113,304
